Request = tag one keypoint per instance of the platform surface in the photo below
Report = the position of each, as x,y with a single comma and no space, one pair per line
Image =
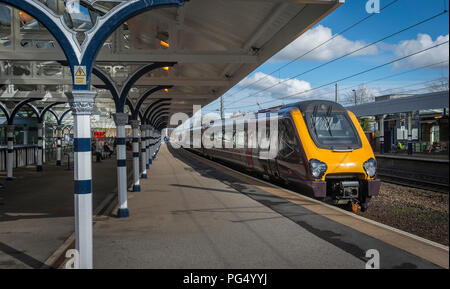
193,215
36,210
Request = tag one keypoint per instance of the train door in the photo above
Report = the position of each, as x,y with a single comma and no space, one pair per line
289,160
251,145
270,164
248,148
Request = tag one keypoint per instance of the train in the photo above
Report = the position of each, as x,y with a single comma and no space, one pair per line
322,151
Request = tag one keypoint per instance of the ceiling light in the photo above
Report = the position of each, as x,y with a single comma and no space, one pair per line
165,44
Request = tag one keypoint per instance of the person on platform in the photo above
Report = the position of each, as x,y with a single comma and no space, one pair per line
107,149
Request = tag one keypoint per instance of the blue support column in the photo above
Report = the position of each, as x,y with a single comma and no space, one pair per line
58,145
121,119
152,145
10,155
147,147
136,182
143,151
82,104
43,143
40,148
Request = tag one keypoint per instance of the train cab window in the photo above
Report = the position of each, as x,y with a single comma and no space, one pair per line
332,129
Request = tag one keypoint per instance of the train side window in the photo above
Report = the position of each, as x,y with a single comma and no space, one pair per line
228,138
240,139
285,149
218,135
291,138
288,144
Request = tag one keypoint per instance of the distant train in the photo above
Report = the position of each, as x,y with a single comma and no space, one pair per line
321,149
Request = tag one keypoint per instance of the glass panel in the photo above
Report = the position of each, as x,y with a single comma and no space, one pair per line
5,26
81,21
27,22
49,68
332,129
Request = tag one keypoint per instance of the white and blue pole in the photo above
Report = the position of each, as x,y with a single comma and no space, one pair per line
10,155
152,145
136,182
156,144
143,151
43,143
147,149
121,119
58,145
40,148
82,105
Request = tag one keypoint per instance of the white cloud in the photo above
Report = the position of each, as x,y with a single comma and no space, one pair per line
261,81
314,37
431,56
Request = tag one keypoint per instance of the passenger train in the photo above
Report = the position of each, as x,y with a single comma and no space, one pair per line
322,150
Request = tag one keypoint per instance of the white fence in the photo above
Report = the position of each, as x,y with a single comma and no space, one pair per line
22,156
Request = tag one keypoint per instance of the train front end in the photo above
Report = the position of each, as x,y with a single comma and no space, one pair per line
340,161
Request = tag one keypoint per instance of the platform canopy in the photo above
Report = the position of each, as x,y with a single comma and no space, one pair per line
213,43
432,100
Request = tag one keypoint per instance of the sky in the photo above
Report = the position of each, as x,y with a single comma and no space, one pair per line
407,76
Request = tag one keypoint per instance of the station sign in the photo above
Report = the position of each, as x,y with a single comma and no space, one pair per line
99,134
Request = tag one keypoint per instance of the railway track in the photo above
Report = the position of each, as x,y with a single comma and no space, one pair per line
417,172
419,183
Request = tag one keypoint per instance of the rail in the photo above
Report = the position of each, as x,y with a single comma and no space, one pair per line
419,172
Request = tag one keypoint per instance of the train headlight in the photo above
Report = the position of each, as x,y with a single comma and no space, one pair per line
370,166
318,168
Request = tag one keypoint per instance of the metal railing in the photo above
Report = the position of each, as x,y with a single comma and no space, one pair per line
22,156
25,155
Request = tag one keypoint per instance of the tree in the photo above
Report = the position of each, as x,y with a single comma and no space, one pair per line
438,85
363,95
365,123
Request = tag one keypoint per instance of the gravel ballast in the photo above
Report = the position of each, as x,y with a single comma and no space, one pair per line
420,212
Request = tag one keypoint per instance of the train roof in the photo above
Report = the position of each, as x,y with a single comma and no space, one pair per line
306,105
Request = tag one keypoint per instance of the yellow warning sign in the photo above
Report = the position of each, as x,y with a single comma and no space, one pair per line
80,72
80,75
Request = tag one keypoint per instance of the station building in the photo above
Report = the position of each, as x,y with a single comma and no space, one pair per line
412,124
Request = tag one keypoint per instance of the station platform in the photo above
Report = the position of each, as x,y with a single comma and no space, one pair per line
36,210
194,213
416,156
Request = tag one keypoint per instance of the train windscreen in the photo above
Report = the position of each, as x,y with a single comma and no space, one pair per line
332,129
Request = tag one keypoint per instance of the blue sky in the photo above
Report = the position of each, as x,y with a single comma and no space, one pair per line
399,15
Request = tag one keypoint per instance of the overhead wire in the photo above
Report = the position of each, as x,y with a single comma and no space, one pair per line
355,74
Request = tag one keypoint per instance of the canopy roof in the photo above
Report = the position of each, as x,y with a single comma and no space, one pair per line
214,43
433,100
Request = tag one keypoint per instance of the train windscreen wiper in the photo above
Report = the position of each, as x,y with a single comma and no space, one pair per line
314,119
327,120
